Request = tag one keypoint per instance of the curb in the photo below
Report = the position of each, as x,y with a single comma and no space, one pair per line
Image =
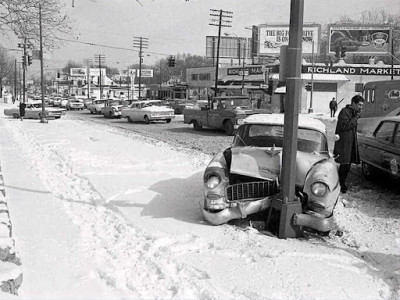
10,270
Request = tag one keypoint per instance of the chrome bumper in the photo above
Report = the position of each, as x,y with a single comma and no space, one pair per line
242,210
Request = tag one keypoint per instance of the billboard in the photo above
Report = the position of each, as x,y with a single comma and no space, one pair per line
230,47
272,37
145,72
360,39
96,72
77,72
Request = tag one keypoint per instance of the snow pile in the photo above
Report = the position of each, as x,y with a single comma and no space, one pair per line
133,206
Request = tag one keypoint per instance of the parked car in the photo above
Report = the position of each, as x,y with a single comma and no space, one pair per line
178,105
74,103
96,105
380,149
112,108
146,111
34,110
243,179
56,101
63,102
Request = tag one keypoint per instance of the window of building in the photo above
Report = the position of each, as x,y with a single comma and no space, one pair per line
325,87
195,76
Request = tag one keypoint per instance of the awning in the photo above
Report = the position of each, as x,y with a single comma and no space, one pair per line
240,78
237,87
319,77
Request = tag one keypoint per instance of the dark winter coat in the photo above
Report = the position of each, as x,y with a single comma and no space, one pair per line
333,105
346,148
22,109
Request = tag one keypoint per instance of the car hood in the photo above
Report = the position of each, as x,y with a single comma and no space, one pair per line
266,163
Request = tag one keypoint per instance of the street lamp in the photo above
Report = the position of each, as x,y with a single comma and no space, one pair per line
244,56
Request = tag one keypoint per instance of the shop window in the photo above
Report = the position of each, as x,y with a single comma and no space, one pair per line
195,76
359,87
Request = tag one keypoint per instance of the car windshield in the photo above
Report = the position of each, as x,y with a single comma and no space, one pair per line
264,135
235,103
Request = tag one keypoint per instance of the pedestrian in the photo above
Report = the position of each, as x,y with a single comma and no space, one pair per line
13,99
22,107
333,107
346,148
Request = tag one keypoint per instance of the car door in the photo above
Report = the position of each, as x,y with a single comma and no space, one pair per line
391,153
380,146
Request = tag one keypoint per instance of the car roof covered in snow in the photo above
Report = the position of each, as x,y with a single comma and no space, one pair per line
278,119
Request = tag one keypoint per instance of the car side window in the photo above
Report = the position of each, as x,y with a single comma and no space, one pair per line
385,131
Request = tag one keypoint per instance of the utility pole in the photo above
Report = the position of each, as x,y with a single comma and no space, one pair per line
311,110
141,43
43,116
15,79
159,95
287,205
23,46
100,58
222,15
87,62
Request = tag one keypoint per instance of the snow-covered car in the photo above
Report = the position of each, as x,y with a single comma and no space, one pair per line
96,105
146,111
112,108
244,178
34,110
380,149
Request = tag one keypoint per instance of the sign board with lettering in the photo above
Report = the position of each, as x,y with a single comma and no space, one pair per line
145,72
77,71
360,39
272,37
385,71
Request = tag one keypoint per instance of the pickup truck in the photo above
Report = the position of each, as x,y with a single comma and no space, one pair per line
225,112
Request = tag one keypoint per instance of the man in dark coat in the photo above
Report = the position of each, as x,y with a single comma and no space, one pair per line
333,107
22,107
346,148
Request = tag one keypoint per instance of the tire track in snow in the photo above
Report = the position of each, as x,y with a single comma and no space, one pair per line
136,263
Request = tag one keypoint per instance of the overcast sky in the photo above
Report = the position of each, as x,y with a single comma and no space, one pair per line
179,26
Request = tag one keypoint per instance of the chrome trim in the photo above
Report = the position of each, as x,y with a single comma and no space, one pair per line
314,222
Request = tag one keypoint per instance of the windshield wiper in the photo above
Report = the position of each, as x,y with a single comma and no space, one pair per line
241,140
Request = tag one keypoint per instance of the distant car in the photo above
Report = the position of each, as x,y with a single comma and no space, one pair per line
380,148
34,110
96,105
178,105
63,102
244,178
56,101
146,111
112,108
74,104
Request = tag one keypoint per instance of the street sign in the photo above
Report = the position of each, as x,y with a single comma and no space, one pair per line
263,86
246,73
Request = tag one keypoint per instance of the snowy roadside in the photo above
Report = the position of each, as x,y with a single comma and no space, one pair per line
135,220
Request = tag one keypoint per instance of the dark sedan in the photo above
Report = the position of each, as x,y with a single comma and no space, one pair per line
380,148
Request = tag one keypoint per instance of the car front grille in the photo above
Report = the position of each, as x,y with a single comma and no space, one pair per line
251,190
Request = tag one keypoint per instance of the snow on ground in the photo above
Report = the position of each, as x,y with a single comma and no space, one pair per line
103,213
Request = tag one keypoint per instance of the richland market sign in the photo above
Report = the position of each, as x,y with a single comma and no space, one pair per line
346,70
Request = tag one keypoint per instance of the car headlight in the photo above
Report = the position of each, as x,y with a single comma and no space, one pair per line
319,189
213,181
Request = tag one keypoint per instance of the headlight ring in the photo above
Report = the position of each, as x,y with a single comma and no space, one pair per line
319,189
213,181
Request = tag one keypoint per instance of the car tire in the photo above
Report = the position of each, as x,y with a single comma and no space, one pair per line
368,171
146,119
168,120
15,116
91,112
229,129
129,119
197,126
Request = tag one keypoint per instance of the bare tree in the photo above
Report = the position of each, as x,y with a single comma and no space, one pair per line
6,69
22,18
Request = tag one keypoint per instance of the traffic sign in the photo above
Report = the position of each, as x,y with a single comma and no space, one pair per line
263,86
